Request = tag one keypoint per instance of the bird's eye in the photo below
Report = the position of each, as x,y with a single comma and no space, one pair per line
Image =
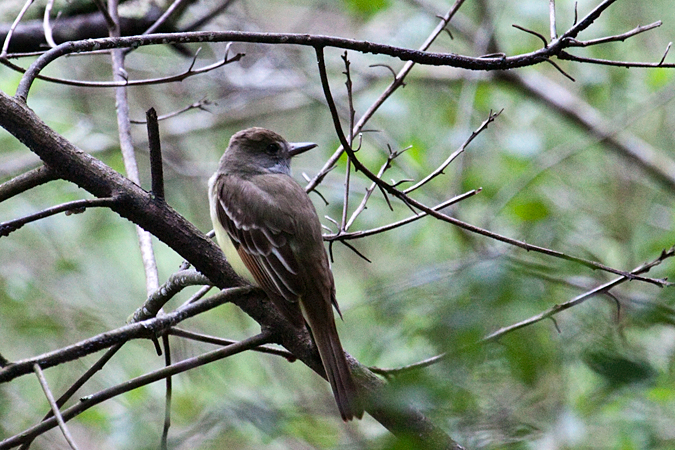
273,148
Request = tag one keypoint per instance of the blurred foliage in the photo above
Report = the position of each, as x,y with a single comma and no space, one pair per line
602,376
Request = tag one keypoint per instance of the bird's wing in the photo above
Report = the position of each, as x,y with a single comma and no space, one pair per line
261,237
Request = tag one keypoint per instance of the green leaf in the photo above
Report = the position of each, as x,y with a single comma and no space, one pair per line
366,8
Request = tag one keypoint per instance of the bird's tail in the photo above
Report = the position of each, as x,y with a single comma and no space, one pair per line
335,363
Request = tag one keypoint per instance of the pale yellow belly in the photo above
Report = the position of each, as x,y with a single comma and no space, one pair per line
225,243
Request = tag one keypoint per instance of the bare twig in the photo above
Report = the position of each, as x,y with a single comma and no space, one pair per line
559,69
389,373
361,234
209,16
348,85
190,72
8,38
169,391
127,150
619,37
164,17
172,286
100,363
483,126
552,20
316,41
548,314
221,341
25,181
141,314
54,406
196,105
663,58
47,26
665,254
197,295
369,191
393,86
608,62
104,12
532,32
78,206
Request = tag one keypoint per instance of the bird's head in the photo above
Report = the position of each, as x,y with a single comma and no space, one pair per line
258,150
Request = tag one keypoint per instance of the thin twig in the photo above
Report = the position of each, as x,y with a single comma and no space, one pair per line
369,191
559,69
548,314
169,391
608,62
55,409
169,289
483,126
127,149
47,26
75,206
391,226
345,201
619,37
665,254
221,341
315,41
190,72
663,58
532,32
552,20
100,363
196,105
104,11
208,16
410,367
8,38
164,17
393,86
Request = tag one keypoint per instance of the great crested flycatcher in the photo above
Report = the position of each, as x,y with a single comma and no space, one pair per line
260,211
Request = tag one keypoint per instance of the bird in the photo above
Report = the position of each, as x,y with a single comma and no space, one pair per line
264,219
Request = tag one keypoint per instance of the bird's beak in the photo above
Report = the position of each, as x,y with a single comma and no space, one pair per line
300,147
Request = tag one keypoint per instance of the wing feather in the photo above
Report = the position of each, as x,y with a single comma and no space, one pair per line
263,245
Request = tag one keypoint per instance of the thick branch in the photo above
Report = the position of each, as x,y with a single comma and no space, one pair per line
30,36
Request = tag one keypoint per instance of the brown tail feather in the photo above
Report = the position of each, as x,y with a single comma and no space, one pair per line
319,315
337,370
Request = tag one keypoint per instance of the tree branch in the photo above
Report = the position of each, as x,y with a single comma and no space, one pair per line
25,181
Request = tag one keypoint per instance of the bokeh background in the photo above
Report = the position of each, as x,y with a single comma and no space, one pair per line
601,376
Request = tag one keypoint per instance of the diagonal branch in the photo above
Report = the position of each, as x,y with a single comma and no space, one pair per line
549,313
138,330
54,406
77,205
176,368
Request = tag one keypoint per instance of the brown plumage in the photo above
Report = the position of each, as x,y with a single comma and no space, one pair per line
269,219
